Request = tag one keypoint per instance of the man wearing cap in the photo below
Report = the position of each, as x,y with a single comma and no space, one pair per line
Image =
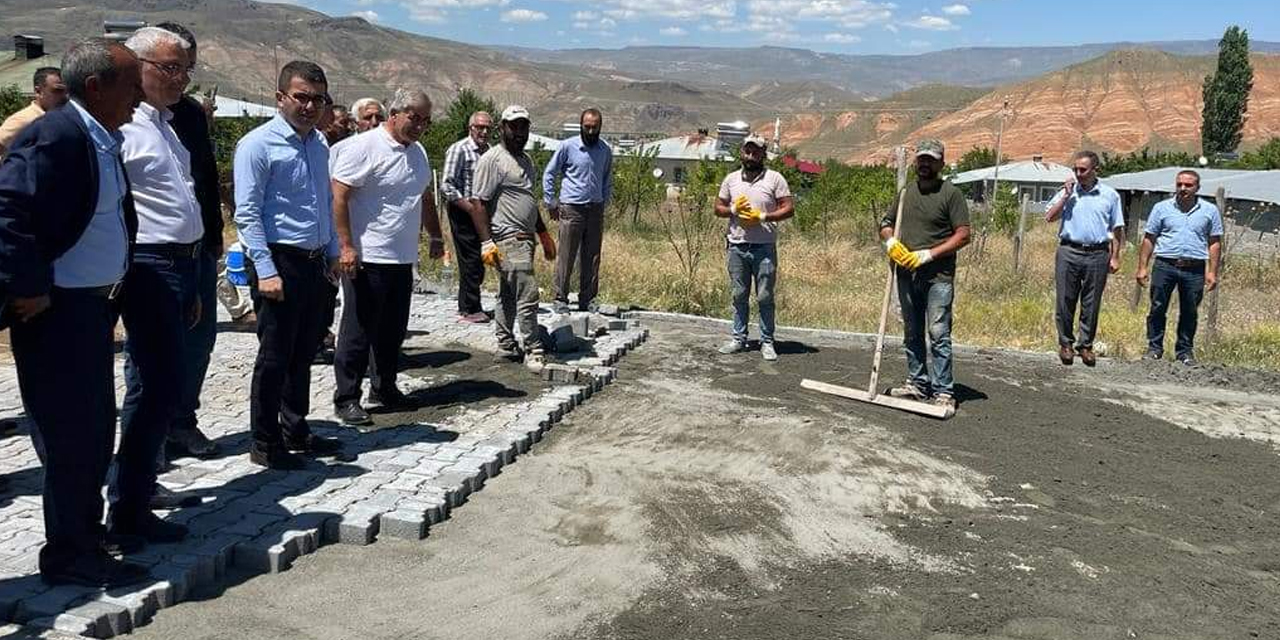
1185,233
1089,242
508,224
935,225
586,163
755,200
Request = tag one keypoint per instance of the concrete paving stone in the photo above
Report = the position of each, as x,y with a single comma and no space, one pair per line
455,486
403,524
22,540
490,465
199,572
68,623
356,526
384,500
51,602
220,550
142,605
110,619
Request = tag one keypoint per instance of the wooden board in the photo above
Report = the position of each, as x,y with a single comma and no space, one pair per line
914,406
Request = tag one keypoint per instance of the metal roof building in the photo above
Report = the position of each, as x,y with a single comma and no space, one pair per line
232,108
1023,171
1240,184
548,143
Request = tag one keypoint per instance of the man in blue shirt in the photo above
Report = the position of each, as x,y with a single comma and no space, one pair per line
66,224
285,223
586,162
1184,232
1089,242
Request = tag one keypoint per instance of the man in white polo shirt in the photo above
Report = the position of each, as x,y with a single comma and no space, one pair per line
381,198
754,199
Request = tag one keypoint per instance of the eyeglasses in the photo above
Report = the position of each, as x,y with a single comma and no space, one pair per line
169,68
481,127
318,99
416,119
1080,170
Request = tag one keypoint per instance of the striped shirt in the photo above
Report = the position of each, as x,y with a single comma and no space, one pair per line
459,168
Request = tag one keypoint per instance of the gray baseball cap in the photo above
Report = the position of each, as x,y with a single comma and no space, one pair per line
757,140
931,147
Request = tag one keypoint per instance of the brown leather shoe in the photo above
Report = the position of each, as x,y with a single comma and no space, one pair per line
1066,355
1087,356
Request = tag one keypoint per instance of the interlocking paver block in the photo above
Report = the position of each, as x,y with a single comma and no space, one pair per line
109,619
403,524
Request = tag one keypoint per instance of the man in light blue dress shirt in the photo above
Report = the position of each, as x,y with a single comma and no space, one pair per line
66,223
586,164
1185,234
284,218
1089,239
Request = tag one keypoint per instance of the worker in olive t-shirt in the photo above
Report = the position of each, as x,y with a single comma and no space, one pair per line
935,224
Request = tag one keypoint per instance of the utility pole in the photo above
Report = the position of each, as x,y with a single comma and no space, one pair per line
995,177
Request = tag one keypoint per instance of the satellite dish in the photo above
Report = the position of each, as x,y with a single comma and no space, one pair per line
657,173
1204,162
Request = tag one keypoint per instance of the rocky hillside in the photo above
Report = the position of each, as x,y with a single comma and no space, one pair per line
1120,102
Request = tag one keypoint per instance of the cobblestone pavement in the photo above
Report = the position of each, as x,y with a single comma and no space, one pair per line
405,478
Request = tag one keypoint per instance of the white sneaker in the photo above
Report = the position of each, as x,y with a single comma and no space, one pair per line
767,351
947,402
909,391
535,361
733,346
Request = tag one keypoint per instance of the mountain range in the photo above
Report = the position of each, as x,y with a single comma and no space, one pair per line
1113,96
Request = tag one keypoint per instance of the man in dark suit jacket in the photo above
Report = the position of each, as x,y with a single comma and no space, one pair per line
66,227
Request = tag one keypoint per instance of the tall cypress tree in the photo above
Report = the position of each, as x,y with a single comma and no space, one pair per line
1226,94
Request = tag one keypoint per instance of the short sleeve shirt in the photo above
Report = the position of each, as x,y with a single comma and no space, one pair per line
764,193
930,215
387,180
505,184
1183,234
1089,216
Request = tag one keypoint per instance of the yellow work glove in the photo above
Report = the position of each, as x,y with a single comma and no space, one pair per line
490,254
748,216
904,257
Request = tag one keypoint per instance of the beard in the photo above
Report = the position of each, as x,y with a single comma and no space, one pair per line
591,139
752,165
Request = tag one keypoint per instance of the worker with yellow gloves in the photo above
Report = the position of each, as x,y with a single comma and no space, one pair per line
755,200
935,217
507,223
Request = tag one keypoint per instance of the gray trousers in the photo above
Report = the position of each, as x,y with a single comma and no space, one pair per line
1080,277
581,233
517,298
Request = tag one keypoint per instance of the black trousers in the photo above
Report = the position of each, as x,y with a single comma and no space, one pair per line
289,332
1081,277
466,244
64,359
375,315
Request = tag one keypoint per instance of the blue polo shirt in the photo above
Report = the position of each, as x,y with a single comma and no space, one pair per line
1184,234
588,173
1089,216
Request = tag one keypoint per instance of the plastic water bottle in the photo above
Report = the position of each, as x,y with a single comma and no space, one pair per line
446,278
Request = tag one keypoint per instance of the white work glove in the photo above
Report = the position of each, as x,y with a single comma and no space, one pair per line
922,257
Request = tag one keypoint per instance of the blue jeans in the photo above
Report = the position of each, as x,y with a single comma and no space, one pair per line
159,292
926,304
1189,281
753,264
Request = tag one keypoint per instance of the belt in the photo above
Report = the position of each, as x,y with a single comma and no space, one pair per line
108,291
516,236
1181,263
290,250
171,249
1085,247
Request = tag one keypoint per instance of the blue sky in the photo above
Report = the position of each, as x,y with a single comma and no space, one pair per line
845,26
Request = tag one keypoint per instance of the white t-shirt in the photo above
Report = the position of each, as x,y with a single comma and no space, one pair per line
387,180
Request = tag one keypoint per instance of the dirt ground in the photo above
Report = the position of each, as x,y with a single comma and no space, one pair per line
707,496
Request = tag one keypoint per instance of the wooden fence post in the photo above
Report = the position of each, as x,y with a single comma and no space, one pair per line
1220,197
1018,239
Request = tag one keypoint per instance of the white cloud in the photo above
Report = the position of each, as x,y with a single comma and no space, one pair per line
931,23
608,23
849,14
956,10
670,9
841,38
672,31
371,16
523,15
584,15
436,11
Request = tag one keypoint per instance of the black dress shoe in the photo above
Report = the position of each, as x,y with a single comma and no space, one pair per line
120,544
277,458
353,414
149,527
97,570
391,399
190,442
162,498
314,445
